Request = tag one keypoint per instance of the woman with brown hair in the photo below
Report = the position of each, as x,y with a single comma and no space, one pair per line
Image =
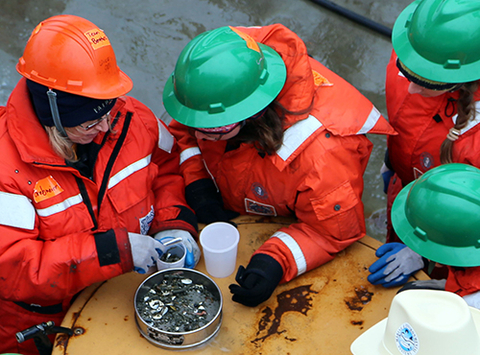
265,129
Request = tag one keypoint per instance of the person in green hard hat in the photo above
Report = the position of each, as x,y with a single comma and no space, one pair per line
432,91
265,129
437,216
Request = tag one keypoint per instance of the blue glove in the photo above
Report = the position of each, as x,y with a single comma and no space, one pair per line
473,299
146,251
396,264
386,176
193,251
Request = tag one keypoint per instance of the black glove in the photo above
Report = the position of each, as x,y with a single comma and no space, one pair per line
257,281
206,201
424,285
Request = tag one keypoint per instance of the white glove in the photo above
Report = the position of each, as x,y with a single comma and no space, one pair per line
193,251
473,299
146,251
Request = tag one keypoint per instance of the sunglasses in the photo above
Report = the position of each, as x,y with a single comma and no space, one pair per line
223,130
91,125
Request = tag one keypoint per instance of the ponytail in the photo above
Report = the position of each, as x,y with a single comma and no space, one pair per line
465,112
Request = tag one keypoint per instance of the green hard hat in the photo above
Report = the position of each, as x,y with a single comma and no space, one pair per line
438,215
223,76
440,39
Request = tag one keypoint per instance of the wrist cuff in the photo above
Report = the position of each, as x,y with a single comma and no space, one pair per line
107,248
265,266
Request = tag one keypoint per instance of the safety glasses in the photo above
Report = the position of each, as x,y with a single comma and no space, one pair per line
91,125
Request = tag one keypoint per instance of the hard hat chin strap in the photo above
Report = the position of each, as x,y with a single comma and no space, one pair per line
52,99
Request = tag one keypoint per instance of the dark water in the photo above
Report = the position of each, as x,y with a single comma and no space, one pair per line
148,35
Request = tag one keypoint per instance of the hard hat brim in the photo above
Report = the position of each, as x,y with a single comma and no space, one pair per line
443,254
244,109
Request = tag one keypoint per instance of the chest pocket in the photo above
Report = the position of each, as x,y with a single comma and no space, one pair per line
132,185
336,210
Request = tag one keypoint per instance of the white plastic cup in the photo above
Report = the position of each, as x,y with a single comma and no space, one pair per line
177,250
219,241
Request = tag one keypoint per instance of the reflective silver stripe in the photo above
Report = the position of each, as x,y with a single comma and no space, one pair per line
16,211
371,121
188,153
165,138
296,135
295,250
60,207
129,170
471,123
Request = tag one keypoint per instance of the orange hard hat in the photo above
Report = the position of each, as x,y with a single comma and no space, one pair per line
71,54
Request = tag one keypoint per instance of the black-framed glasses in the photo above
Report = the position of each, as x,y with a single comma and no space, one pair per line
91,125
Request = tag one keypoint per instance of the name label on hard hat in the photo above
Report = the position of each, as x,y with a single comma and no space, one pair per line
97,38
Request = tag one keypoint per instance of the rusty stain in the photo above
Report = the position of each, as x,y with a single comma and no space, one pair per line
295,300
61,340
126,318
361,298
89,319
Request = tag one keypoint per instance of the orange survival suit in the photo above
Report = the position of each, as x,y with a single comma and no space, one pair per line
61,231
316,176
422,124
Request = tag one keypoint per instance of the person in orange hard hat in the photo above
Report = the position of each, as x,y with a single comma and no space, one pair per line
264,129
90,179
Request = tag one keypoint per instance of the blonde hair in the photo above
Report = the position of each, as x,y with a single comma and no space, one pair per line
63,146
466,112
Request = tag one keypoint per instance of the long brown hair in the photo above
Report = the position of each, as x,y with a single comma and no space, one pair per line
266,132
466,112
